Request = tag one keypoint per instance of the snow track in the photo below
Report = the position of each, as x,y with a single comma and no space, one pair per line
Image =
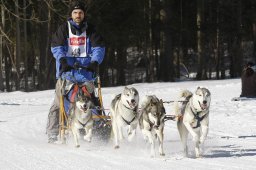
231,143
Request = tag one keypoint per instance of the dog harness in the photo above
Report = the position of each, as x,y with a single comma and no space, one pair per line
151,124
199,119
134,111
83,124
129,122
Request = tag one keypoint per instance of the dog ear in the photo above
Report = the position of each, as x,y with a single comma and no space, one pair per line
135,91
196,92
154,101
151,102
161,103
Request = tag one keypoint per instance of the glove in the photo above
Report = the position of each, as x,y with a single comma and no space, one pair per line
64,65
92,67
76,65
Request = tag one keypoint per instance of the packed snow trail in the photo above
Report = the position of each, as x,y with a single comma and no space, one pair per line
230,143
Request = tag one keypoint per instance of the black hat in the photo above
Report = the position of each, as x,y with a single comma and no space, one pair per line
77,5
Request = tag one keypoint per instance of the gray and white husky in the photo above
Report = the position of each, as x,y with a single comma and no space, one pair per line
152,122
124,112
81,118
193,117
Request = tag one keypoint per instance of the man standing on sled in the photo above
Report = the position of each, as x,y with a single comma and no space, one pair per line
75,45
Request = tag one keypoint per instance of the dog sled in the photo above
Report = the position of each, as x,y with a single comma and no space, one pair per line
101,120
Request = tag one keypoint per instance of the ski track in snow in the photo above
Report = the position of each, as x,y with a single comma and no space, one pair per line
230,143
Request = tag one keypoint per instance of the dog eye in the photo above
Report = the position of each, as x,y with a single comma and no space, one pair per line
153,114
127,94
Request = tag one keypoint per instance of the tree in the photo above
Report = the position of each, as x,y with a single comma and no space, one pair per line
166,65
199,21
25,45
17,47
1,49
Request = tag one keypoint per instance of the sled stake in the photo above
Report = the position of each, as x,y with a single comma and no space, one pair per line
62,120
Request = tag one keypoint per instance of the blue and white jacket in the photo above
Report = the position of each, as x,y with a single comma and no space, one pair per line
94,48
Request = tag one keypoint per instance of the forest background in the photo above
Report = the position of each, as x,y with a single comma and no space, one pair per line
146,40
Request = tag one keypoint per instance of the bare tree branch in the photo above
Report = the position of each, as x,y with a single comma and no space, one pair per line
5,35
32,18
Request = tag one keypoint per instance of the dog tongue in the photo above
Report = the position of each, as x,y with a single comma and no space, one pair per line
131,104
84,108
203,106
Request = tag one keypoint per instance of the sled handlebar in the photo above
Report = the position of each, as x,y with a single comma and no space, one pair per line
77,66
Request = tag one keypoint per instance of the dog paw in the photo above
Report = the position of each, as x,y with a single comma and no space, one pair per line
195,138
198,156
152,155
116,147
87,138
121,137
185,155
201,141
145,138
162,154
130,138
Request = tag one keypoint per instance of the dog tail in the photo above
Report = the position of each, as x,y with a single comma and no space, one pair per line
180,107
186,94
177,110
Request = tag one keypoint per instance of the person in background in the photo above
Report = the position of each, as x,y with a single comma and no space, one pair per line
248,81
74,44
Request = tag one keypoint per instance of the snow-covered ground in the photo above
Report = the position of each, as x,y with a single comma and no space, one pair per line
231,142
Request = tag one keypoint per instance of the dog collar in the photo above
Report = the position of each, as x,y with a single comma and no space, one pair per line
134,112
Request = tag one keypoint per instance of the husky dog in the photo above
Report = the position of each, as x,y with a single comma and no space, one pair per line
124,112
193,117
81,118
152,121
